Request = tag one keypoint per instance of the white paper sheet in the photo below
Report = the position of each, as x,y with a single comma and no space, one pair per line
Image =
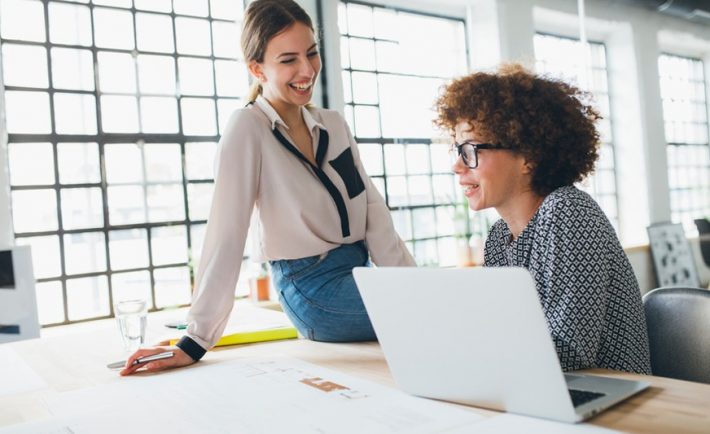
16,376
250,396
512,424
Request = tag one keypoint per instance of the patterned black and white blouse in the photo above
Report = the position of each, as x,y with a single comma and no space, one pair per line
586,286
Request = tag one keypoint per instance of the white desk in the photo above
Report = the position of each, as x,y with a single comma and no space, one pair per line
75,357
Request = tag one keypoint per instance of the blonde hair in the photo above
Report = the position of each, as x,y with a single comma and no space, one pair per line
263,20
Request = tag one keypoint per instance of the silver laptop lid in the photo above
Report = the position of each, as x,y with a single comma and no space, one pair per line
475,336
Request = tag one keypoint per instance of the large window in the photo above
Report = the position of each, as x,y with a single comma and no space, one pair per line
562,58
113,111
393,64
686,124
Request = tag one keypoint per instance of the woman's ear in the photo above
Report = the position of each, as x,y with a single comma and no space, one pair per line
528,167
256,70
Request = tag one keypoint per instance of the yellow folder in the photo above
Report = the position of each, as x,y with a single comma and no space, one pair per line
254,336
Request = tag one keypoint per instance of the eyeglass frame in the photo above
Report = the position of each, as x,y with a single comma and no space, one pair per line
458,148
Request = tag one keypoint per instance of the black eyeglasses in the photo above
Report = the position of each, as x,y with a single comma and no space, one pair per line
469,152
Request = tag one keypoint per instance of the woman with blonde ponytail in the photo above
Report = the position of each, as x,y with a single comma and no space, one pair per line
318,214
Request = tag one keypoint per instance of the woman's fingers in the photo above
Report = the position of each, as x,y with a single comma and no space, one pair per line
179,359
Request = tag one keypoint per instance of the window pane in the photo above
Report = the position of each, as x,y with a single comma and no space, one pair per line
360,20
231,78
50,304
165,203
163,162
23,20
367,121
154,5
200,159
361,54
72,69
27,112
197,237
169,245
155,32
406,113
34,210
46,260
156,74
85,252
226,9
224,37
196,77
196,8
74,113
371,157
24,65
31,163
114,29
364,88
126,205
116,3
172,287
82,208
199,198
131,285
159,115
193,36
198,116
117,72
418,159
124,163
69,24
119,114
225,108
420,191
78,163
87,297
128,249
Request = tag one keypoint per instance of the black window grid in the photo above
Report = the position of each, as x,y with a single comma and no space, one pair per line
102,139
608,199
688,160
472,225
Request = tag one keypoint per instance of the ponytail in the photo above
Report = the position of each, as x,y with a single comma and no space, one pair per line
254,92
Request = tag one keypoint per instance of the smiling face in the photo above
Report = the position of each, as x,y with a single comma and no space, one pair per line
290,68
501,175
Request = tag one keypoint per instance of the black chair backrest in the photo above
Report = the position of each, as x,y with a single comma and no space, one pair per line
678,321
704,232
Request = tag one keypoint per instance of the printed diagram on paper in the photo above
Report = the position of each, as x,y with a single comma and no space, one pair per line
251,396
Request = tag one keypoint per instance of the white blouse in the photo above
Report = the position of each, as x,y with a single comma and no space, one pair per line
296,215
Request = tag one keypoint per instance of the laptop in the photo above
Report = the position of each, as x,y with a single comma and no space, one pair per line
478,336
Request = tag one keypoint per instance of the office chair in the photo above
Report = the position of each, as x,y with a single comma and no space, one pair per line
703,226
678,321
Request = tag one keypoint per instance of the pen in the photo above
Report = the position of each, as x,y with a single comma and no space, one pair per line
146,359
159,356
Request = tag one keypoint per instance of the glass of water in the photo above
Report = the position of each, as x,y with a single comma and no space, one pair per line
131,316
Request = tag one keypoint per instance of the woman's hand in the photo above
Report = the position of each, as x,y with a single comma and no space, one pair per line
179,359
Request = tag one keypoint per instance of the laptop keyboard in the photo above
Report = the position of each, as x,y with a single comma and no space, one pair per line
580,397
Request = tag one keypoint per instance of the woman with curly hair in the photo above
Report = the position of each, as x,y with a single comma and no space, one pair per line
521,142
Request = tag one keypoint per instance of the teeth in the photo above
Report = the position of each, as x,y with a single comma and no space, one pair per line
302,86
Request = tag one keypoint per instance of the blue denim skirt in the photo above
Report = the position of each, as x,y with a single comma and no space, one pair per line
319,295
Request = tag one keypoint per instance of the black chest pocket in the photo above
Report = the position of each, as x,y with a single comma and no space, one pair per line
345,166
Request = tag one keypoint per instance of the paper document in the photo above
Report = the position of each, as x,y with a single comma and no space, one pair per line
16,376
250,396
512,423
